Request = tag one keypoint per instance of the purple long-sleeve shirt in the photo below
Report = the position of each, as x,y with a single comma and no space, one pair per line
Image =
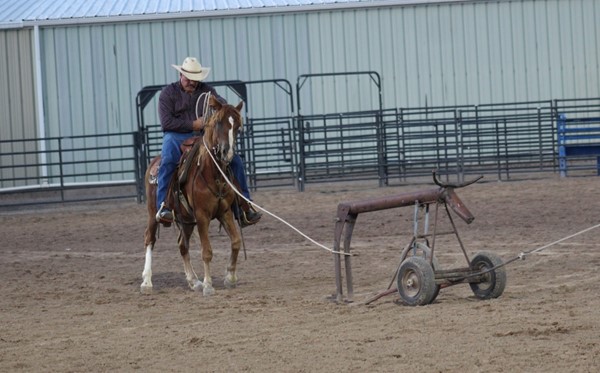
177,109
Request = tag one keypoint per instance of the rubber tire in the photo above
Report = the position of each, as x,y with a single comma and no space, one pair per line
422,289
495,281
426,251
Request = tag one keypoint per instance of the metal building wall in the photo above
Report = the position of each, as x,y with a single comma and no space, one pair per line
17,105
427,55
466,53
437,54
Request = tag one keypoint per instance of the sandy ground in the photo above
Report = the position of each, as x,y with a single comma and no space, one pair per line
70,299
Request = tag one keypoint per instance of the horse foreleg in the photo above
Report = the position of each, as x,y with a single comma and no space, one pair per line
183,241
149,241
236,242
207,255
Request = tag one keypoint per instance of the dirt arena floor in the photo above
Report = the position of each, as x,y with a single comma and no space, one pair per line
70,289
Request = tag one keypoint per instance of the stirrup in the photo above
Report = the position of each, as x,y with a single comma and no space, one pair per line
164,215
250,217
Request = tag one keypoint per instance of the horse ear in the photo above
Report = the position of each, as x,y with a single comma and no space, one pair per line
214,103
239,106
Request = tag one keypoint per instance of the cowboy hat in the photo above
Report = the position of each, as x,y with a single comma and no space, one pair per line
192,69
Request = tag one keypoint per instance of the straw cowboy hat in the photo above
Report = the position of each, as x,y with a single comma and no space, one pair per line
192,69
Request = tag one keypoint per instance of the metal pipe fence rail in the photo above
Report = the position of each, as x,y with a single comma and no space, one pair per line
343,146
69,169
469,141
387,146
270,151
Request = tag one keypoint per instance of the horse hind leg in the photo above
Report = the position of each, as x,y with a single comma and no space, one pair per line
183,241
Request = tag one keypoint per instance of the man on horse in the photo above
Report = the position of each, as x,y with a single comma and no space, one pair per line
181,111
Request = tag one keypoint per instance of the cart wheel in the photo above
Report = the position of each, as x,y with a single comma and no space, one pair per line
423,251
494,282
416,281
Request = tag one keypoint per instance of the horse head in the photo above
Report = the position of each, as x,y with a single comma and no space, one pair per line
222,128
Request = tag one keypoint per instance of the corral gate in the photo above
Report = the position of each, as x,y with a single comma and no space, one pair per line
341,145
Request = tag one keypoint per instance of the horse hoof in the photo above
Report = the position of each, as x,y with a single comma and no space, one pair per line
208,291
197,286
145,289
230,284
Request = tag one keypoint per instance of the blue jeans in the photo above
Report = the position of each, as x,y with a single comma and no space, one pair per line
237,167
170,155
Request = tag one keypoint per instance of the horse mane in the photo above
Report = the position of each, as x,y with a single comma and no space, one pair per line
211,118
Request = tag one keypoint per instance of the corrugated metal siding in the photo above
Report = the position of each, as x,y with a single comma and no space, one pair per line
493,52
447,54
111,10
89,78
17,105
434,55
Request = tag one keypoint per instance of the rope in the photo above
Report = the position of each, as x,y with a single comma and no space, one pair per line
206,110
266,211
523,254
205,107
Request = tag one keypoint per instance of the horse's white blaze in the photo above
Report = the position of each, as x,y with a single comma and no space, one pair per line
147,274
231,140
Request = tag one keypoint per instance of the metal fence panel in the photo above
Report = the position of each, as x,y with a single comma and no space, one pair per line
389,145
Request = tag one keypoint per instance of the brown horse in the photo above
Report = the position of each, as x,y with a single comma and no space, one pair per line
207,196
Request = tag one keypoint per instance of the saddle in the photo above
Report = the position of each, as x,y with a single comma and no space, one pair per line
187,156
189,149
175,197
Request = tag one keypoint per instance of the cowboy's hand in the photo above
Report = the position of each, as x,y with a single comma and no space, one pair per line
198,124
